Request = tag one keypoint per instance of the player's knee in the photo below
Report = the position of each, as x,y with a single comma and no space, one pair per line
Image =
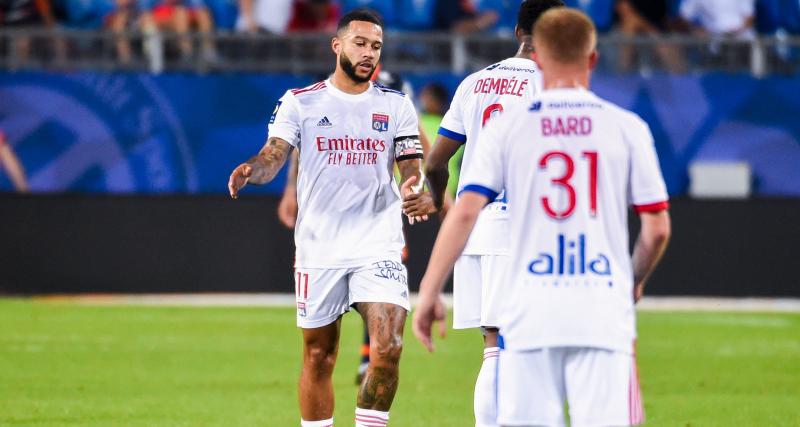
387,351
321,358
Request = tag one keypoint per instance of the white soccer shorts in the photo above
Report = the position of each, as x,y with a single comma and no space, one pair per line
474,289
600,386
325,294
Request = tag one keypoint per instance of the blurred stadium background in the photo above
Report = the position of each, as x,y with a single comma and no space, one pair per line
120,121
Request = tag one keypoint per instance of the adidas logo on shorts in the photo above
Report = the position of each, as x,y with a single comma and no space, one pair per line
325,123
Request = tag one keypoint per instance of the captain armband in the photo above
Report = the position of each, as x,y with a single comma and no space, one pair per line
407,147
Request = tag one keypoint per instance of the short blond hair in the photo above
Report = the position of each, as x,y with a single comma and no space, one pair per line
568,35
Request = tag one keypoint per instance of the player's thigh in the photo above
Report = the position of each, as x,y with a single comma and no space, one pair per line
384,281
602,388
321,296
492,268
530,388
467,282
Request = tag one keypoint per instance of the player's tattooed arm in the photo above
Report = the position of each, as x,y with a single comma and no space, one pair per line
262,168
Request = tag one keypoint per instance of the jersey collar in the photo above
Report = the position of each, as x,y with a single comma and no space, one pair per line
333,90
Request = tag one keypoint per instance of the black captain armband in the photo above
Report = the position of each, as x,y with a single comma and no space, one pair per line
407,147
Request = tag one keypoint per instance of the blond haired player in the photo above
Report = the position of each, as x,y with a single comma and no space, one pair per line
350,133
482,96
571,165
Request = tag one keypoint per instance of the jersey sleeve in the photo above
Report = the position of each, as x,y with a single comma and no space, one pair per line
486,172
285,120
452,125
406,142
647,190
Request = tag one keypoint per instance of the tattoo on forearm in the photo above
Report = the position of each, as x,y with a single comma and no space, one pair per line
269,160
409,168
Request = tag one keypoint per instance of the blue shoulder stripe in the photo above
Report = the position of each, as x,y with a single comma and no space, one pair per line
455,136
488,192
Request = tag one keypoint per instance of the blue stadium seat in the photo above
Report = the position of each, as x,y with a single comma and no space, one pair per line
385,7
790,16
85,14
416,14
768,16
601,11
224,12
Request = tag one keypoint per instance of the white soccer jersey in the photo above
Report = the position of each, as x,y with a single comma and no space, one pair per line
349,205
481,96
571,164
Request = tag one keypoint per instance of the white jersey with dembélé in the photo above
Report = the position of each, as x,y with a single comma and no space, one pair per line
349,204
481,96
571,164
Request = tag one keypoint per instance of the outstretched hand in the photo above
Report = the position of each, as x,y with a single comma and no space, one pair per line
239,178
416,205
427,311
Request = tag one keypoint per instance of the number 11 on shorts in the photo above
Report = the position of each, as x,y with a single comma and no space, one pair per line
301,286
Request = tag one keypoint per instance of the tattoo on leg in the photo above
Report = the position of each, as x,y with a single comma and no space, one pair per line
378,389
385,323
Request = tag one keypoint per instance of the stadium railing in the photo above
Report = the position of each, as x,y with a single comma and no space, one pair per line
64,49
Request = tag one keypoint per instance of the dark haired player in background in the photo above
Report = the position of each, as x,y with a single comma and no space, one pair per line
348,234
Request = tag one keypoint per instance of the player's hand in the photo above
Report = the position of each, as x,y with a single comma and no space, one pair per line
419,205
638,291
428,310
416,205
239,178
287,209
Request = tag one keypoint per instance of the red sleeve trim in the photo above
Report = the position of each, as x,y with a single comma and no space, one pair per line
652,207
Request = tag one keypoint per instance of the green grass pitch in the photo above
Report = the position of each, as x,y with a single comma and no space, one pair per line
65,364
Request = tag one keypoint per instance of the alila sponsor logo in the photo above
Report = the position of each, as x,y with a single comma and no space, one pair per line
570,259
351,151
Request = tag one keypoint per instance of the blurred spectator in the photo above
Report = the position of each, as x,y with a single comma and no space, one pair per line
182,16
128,17
506,11
601,11
24,14
319,16
386,8
11,164
460,16
647,18
433,101
729,18
269,16
172,16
